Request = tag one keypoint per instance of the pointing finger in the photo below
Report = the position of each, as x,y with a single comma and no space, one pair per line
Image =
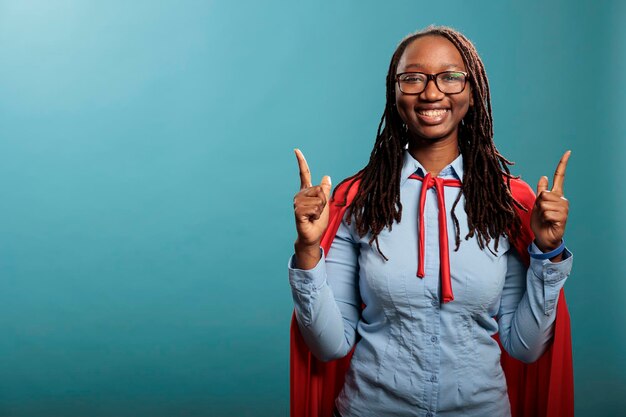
305,173
542,185
559,174
326,185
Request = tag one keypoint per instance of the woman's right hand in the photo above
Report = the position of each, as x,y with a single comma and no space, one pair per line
311,212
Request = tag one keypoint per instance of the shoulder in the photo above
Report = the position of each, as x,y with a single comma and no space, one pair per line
346,190
522,192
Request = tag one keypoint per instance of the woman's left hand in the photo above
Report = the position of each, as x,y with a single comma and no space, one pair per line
549,214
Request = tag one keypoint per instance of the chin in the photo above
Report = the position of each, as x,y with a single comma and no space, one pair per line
432,135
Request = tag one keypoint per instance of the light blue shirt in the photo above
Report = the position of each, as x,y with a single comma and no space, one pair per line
415,356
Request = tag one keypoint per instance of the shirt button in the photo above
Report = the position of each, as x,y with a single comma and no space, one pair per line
435,303
433,378
429,414
433,339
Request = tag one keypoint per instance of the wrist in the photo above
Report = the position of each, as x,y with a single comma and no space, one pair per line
306,247
547,247
307,255
553,253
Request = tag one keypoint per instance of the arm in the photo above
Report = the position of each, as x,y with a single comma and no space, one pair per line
528,304
326,298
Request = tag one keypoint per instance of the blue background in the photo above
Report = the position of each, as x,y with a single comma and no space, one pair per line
147,176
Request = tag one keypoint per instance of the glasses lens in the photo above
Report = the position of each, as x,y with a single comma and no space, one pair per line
412,83
451,82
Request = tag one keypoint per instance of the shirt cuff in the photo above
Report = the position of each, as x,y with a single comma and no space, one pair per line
307,280
305,286
549,271
552,276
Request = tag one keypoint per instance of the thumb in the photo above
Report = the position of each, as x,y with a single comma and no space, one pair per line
326,186
542,185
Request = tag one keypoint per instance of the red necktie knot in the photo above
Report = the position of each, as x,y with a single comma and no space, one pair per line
429,181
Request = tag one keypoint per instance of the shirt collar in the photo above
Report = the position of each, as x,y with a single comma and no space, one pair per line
411,165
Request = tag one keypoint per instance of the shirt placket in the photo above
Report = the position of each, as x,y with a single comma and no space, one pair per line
432,283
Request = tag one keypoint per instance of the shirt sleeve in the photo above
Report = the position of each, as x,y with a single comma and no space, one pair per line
327,300
528,304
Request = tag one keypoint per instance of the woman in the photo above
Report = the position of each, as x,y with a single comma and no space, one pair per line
419,310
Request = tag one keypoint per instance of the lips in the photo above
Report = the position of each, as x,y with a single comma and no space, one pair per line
433,112
432,116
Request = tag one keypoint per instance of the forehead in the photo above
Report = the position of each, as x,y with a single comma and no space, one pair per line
431,54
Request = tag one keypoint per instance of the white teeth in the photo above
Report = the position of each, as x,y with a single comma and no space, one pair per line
433,113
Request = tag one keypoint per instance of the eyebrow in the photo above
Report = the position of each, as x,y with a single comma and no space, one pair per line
419,66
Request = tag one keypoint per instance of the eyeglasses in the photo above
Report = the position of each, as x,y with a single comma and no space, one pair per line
448,82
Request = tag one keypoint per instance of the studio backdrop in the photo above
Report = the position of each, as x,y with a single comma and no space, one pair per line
147,176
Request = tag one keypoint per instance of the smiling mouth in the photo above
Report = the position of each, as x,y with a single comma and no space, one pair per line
433,112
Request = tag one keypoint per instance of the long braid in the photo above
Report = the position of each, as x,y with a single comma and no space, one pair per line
489,204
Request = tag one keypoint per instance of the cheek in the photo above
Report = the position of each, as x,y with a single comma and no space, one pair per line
404,106
401,111
462,106
463,111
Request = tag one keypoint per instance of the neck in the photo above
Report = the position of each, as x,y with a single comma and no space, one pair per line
434,156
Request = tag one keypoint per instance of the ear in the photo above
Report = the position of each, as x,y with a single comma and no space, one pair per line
471,102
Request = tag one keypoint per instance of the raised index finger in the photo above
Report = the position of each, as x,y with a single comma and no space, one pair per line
559,174
305,173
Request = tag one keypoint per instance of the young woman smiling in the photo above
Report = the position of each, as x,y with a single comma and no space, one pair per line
418,309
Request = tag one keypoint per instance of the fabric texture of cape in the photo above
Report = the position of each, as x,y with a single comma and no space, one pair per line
544,388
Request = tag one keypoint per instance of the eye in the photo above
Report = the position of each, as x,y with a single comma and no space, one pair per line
452,77
412,78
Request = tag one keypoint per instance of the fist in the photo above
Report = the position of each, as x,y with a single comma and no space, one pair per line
310,206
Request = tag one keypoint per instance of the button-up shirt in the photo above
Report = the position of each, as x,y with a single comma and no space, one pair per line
416,356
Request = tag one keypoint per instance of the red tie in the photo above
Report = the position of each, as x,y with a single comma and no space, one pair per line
444,257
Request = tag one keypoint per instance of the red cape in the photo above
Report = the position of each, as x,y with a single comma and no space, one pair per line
543,388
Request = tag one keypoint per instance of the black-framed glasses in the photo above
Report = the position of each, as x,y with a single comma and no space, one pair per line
448,82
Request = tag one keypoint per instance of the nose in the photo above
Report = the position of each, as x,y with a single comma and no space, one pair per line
431,92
